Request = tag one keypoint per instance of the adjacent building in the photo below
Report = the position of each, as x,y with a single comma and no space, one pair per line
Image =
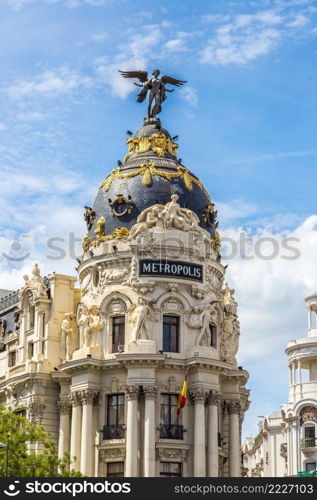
99,359
287,442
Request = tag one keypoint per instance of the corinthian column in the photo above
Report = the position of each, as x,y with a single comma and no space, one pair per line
198,395
212,452
65,409
149,431
234,438
88,398
131,466
75,431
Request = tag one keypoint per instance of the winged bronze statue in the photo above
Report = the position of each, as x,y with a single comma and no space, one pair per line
156,86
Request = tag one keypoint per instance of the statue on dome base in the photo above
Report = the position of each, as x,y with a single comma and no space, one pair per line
155,86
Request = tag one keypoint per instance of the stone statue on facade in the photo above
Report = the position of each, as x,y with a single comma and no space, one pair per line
36,283
155,87
230,327
141,321
90,324
95,325
69,335
83,325
207,317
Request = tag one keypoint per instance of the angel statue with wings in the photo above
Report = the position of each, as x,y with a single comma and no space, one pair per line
155,86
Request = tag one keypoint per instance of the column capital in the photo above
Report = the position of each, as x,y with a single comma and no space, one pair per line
198,394
132,392
214,398
65,407
75,398
150,391
233,405
89,396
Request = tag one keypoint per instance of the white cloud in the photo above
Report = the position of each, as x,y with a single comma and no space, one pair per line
271,291
100,37
176,45
3,127
134,54
50,83
190,96
18,4
245,37
235,210
298,22
30,116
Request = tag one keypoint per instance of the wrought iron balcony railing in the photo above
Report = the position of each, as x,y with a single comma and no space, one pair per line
309,443
168,431
113,432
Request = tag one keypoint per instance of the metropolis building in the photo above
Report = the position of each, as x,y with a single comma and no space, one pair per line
100,365
287,441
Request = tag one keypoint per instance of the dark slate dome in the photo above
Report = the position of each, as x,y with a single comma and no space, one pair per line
150,174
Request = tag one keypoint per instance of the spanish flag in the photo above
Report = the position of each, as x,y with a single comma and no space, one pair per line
182,397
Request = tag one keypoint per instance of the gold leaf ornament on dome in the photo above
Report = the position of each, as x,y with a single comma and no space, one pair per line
147,170
120,233
158,143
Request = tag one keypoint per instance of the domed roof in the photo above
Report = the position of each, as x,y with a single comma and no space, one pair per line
150,174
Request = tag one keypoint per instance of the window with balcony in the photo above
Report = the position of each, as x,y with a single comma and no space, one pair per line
114,428
170,469
115,469
170,427
170,333
12,359
118,332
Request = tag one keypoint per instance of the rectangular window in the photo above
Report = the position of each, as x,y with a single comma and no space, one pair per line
310,466
30,350
213,336
170,469
12,358
21,413
309,432
32,317
170,428
118,331
170,333
114,429
115,469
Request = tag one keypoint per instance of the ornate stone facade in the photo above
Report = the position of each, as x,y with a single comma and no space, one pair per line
105,362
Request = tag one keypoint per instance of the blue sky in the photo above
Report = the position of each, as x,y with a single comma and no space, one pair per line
246,122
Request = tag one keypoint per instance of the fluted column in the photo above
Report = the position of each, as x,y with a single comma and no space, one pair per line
131,466
75,443
213,464
149,431
198,395
65,409
234,408
88,398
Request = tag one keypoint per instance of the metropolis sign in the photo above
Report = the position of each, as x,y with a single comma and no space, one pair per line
171,269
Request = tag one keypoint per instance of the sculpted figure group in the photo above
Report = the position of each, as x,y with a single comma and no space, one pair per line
35,283
169,216
81,333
